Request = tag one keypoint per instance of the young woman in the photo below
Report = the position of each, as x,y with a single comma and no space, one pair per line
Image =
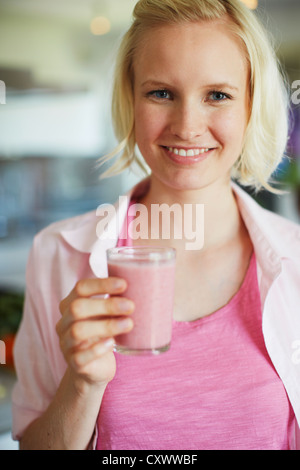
198,90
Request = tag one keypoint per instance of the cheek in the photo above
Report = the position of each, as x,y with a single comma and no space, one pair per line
230,127
149,125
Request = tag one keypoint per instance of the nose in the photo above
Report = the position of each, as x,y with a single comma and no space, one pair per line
188,121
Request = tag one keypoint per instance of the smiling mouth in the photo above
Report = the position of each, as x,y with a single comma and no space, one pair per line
187,153
188,156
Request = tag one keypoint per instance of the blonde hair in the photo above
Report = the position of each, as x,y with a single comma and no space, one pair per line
267,130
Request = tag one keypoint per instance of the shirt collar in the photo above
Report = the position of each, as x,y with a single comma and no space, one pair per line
87,235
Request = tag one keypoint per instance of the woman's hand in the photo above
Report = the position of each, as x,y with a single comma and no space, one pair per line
88,325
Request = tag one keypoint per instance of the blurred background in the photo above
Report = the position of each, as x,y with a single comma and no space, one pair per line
56,67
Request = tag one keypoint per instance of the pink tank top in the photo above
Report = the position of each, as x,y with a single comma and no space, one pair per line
215,389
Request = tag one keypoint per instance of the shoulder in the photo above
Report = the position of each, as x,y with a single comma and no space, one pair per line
280,221
265,225
76,231
53,259
54,265
72,223
286,231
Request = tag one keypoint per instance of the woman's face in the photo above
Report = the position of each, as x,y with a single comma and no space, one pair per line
191,102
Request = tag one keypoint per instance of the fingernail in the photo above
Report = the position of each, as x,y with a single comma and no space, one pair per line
125,305
124,324
105,346
109,343
119,284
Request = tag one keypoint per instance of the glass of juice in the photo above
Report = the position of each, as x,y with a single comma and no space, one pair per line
150,277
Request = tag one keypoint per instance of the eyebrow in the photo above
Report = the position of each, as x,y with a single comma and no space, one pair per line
220,85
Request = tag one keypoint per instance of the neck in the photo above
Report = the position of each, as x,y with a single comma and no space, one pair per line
210,215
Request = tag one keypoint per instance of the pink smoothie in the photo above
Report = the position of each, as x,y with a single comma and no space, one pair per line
151,287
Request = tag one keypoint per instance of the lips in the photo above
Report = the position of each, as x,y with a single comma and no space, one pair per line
187,156
187,153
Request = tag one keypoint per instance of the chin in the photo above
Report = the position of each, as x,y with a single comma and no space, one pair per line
185,183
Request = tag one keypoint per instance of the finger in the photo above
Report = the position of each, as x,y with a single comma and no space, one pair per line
109,285
81,358
82,332
90,287
83,309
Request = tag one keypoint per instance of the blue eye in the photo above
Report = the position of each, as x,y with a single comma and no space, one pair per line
160,94
218,96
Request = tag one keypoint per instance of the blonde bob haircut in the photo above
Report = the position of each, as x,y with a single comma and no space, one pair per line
267,129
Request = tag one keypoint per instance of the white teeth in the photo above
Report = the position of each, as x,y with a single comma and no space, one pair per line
188,153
